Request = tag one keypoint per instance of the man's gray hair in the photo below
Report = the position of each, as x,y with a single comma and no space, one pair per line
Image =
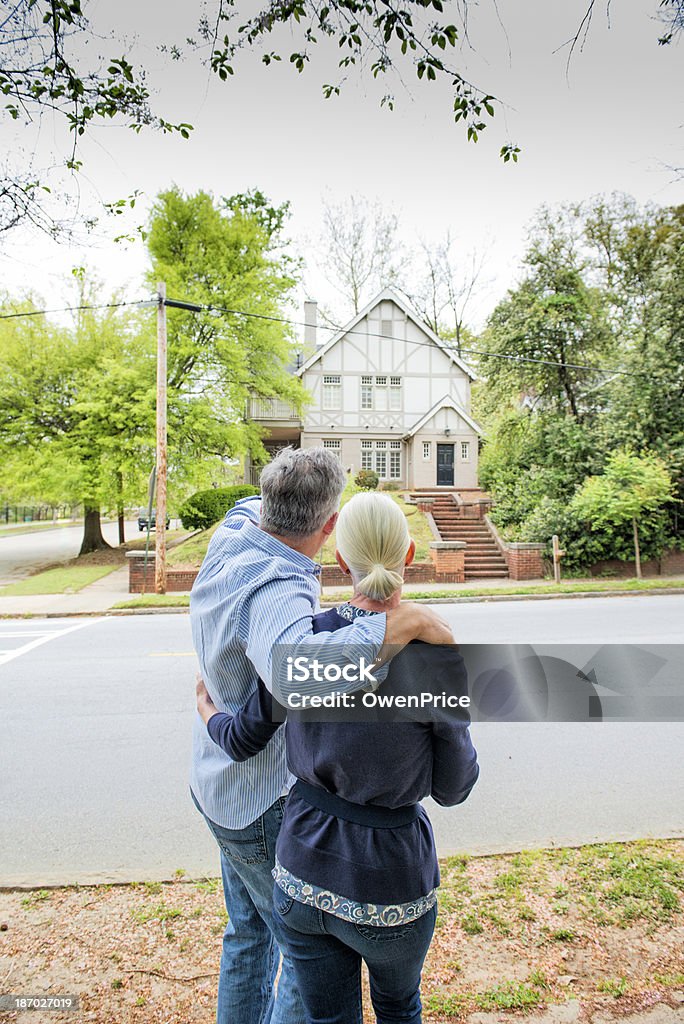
300,491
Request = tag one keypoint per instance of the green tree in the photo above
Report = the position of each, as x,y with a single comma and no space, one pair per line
630,487
541,338
640,253
77,411
77,406
529,457
228,255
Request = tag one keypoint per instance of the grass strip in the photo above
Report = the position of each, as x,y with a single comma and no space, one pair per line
66,580
578,587
606,586
155,601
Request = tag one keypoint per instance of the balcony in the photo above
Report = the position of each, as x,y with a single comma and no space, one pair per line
269,409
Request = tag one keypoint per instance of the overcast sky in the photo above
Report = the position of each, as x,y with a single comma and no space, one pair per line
612,121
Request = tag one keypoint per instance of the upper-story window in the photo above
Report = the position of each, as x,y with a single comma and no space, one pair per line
395,393
332,391
380,393
366,392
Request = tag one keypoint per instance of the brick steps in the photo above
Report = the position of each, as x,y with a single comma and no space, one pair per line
485,574
483,559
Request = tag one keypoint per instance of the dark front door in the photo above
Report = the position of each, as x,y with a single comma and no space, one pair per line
445,465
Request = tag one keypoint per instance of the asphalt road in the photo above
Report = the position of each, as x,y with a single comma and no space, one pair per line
96,721
29,551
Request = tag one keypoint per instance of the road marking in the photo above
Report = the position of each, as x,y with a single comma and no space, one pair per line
34,632
51,635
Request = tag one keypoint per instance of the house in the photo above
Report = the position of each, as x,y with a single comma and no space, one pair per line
388,395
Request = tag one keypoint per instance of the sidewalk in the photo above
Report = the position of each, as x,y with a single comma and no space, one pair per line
97,597
101,596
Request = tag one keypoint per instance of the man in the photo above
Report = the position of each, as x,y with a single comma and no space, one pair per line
258,587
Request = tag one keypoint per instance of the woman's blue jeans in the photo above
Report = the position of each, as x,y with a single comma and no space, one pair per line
326,953
250,956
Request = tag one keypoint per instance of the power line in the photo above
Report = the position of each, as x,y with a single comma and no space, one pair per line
76,309
192,307
426,344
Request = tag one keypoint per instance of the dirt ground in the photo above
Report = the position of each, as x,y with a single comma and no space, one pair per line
590,935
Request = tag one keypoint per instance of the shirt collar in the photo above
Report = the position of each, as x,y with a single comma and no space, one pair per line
272,546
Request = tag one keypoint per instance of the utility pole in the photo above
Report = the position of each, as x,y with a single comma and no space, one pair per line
160,532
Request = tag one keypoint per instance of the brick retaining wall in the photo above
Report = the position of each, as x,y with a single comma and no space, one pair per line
332,576
418,572
140,581
524,561
446,566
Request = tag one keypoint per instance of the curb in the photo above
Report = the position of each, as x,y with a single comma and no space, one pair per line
505,850
549,597
184,609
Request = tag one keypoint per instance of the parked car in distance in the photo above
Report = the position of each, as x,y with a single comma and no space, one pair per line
142,520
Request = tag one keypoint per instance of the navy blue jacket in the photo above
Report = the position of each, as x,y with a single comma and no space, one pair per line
387,764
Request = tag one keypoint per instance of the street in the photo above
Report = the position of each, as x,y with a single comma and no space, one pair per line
96,732
19,556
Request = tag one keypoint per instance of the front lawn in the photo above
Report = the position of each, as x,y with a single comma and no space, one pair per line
64,580
192,552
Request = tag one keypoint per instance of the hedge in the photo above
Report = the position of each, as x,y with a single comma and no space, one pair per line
204,508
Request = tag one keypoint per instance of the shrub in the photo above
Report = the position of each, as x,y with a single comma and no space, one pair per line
583,545
367,479
204,508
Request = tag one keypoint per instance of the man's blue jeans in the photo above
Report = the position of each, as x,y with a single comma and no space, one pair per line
250,956
327,952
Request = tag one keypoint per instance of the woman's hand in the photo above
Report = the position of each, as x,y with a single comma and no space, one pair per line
205,704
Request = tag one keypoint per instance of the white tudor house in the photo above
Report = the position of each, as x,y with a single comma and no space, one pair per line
387,394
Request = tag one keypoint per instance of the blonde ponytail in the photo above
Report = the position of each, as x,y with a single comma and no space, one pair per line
380,583
373,539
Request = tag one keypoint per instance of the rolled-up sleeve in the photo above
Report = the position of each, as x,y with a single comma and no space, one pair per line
276,624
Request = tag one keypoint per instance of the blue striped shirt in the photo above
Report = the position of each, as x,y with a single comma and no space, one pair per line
253,593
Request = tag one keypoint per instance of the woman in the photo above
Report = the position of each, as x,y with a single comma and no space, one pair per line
356,868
